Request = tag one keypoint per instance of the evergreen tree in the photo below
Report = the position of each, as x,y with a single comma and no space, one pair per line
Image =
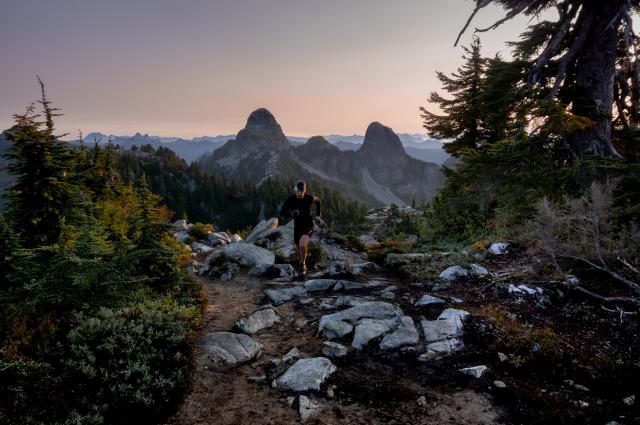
45,192
463,113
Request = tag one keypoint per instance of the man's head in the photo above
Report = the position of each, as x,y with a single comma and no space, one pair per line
300,188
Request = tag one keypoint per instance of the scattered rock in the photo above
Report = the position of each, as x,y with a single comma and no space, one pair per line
502,357
405,334
308,408
365,267
261,319
524,289
396,260
279,296
452,273
306,374
230,349
333,349
475,371
369,310
301,323
350,301
262,379
235,238
292,356
200,248
245,254
422,401
388,295
498,248
629,401
581,388
368,330
442,335
428,299
336,329
479,270
316,285
272,271
264,225
499,384
180,225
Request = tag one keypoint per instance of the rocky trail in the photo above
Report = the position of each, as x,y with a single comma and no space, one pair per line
419,338
367,386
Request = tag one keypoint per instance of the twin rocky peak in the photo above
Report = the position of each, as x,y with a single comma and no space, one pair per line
379,173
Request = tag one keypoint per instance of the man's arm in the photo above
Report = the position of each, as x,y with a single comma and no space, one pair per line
318,203
285,211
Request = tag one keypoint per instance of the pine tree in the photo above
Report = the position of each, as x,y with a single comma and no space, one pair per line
45,191
463,113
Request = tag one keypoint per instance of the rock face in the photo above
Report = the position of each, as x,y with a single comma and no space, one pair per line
230,349
262,227
452,273
285,271
306,374
245,254
443,335
261,319
279,296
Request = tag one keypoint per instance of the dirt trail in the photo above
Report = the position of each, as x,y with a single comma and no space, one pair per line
369,388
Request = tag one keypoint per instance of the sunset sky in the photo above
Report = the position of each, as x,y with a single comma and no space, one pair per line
199,67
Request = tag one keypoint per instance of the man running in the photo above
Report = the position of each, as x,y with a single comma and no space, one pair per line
299,206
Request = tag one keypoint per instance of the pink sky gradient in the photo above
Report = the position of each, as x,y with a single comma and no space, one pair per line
197,67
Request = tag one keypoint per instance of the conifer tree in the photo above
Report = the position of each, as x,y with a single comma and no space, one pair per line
45,189
462,118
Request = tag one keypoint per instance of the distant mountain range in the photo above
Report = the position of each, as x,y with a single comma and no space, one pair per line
379,172
416,145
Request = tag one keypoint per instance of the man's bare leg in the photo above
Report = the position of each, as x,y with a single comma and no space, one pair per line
302,250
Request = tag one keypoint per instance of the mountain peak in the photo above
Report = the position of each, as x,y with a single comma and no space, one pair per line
262,120
380,139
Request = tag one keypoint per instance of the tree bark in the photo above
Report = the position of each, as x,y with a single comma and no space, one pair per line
594,79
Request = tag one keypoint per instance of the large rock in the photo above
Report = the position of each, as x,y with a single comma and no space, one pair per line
285,271
405,334
263,226
306,374
279,296
452,273
443,335
230,349
261,319
180,225
429,299
317,285
370,310
245,254
335,253
396,260
333,349
367,331
200,248
498,248
336,329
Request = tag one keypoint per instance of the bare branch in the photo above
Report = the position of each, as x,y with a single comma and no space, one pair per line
568,57
515,11
554,44
629,283
612,300
479,5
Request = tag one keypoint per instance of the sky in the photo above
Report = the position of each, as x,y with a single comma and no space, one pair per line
199,67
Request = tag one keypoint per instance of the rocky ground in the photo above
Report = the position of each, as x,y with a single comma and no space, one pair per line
360,343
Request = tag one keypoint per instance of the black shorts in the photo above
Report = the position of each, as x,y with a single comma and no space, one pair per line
298,233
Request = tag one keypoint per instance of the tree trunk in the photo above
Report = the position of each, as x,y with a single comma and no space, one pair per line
594,79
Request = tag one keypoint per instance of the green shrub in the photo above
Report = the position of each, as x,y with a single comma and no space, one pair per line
131,362
200,230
